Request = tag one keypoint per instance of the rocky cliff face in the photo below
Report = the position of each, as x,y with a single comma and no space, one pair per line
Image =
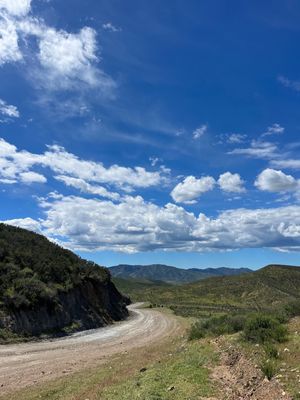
87,306
45,289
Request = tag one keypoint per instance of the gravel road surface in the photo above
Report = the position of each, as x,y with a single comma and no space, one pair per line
26,364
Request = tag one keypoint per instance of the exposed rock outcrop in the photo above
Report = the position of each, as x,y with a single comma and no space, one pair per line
45,289
90,305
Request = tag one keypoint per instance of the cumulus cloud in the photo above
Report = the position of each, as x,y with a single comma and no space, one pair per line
25,223
8,110
69,59
63,60
32,177
272,180
199,132
133,225
231,183
191,188
14,163
9,46
16,8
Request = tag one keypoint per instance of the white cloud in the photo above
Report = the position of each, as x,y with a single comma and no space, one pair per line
287,163
275,129
231,183
8,110
136,225
275,181
16,8
64,60
70,59
235,138
108,26
199,131
32,177
191,188
154,161
9,47
87,188
25,223
295,85
258,149
14,162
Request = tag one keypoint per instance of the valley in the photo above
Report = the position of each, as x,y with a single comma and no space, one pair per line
68,331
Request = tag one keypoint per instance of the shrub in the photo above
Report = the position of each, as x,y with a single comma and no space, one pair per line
196,331
293,308
268,368
271,350
224,324
263,329
218,325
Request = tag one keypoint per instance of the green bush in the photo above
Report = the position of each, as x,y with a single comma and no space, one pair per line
268,368
263,329
196,331
218,325
33,270
271,350
293,308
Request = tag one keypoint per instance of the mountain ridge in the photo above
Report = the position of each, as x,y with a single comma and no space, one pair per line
266,289
171,274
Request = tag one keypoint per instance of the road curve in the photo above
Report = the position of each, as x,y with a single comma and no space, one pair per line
26,364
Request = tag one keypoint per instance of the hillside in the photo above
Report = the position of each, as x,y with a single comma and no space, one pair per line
169,274
267,288
47,289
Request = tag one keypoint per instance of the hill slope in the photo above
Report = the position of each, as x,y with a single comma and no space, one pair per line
268,288
47,289
166,273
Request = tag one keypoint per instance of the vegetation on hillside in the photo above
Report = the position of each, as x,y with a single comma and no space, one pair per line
33,269
265,289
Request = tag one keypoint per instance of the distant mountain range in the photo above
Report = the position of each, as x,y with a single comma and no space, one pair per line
169,274
269,288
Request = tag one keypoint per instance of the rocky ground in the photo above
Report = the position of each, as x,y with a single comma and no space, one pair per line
240,379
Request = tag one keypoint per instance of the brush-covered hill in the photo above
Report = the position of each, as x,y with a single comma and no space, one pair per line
47,289
169,274
268,288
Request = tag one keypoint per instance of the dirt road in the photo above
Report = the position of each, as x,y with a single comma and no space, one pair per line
26,364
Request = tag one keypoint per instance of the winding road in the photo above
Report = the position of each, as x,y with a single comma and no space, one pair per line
25,364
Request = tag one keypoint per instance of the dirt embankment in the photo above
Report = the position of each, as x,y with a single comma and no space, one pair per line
27,364
239,379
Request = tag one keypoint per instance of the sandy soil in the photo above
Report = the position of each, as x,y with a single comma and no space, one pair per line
26,364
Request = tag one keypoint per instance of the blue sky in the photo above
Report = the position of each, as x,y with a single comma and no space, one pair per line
144,132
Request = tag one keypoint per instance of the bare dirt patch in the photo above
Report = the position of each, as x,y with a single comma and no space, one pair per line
240,379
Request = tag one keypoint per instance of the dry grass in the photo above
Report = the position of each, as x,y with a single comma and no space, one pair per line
289,360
